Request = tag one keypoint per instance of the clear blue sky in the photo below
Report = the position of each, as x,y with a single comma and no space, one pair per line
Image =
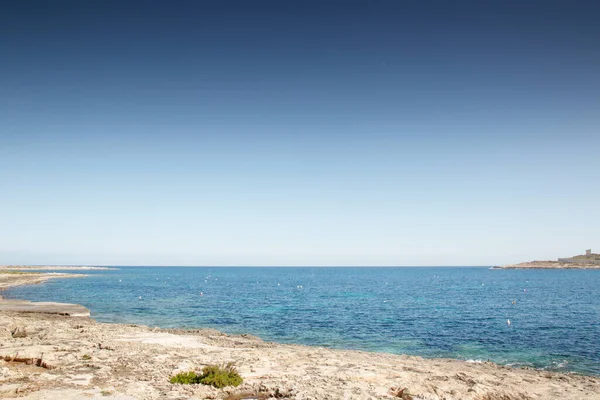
298,133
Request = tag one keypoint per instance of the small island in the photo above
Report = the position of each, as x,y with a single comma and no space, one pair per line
588,260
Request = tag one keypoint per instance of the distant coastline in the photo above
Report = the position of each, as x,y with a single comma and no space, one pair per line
52,267
548,265
588,260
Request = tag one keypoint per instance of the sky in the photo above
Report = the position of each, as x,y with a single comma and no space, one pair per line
309,133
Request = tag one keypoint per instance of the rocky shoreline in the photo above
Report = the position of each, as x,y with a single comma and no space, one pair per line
549,265
48,356
9,278
52,268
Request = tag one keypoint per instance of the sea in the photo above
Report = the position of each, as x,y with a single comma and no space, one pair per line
452,312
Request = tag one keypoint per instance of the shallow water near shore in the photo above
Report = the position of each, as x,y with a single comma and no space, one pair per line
432,312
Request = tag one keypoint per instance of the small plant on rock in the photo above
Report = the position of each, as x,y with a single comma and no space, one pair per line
220,377
213,375
185,378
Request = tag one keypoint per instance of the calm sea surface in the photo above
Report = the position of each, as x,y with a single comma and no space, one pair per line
432,312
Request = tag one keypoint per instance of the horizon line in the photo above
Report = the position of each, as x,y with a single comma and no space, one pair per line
246,266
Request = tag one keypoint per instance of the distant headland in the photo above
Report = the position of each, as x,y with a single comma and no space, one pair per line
588,260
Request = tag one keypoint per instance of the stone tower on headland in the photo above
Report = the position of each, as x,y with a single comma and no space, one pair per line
588,258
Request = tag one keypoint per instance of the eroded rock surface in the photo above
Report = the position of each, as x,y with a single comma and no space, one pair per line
73,358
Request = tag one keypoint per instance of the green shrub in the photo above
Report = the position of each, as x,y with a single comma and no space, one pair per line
185,378
220,377
212,375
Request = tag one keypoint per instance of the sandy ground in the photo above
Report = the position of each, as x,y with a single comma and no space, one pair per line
47,356
549,265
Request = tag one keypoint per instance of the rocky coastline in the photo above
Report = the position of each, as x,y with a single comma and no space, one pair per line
10,278
549,265
52,268
49,356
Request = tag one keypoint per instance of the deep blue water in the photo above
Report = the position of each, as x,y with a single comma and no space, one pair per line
432,312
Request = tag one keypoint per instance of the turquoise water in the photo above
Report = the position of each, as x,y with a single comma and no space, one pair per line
432,312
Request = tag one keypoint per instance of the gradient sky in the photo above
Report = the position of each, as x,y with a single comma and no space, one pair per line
298,132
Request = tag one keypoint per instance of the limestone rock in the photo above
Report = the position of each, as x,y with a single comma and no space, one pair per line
19,332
